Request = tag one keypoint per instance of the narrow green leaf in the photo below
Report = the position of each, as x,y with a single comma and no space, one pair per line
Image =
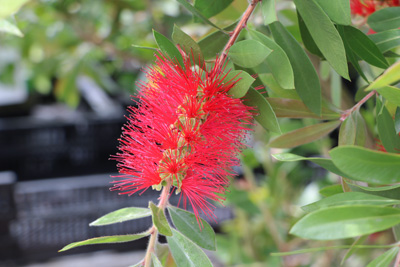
121,215
306,80
391,93
293,108
351,56
385,259
390,76
277,61
145,47
397,120
213,43
248,53
353,130
345,221
211,8
167,47
331,190
323,162
364,47
387,133
304,135
241,87
274,89
8,27
367,165
185,252
269,11
10,7
338,11
105,240
156,262
392,191
385,19
197,13
324,34
186,222
311,250
159,220
307,39
188,45
386,40
266,116
350,198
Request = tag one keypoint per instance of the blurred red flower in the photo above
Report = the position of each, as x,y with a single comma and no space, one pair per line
367,7
186,129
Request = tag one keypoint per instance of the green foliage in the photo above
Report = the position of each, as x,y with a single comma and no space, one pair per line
385,19
121,215
249,53
159,220
241,87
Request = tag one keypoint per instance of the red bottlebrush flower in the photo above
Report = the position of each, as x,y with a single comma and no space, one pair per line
367,7
186,129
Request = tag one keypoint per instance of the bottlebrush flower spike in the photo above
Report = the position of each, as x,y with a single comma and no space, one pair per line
186,130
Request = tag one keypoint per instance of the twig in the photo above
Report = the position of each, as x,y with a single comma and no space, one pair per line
242,23
356,106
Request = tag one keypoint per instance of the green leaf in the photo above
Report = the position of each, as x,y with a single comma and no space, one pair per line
391,93
385,259
324,34
338,11
121,215
277,61
8,27
273,88
385,19
386,40
392,191
367,165
105,240
350,198
248,53
353,248
351,56
390,76
145,47
304,135
387,133
353,130
156,262
167,47
323,162
241,87
345,221
364,47
268,11
10,7
213,43
306,80
186,223
293,108
266,116
331,190
188,45
185,252
197,13
211,8
159,220
307,39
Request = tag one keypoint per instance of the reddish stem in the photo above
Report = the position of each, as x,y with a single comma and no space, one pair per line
356,106
242,23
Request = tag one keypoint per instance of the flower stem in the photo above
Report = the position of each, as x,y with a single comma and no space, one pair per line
241,24
153,230
356,106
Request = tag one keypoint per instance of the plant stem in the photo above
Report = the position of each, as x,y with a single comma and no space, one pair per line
356,106
153,230
242,23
